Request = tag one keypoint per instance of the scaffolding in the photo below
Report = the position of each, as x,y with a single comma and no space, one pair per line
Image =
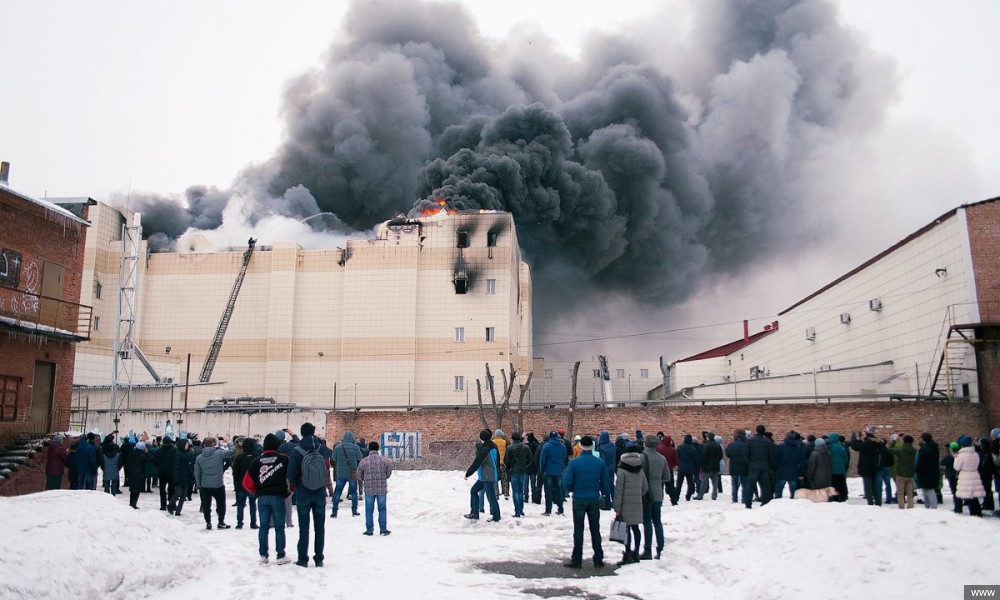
127,315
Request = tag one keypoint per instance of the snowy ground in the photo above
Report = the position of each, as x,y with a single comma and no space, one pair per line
88,545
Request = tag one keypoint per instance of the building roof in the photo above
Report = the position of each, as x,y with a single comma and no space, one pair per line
727,349
47,205
951,213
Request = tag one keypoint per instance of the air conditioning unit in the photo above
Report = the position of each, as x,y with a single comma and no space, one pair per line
811,334
824,367
845,318
168,380
726,378
875,304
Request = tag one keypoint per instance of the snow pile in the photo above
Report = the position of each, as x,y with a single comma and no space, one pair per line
88,545
64,544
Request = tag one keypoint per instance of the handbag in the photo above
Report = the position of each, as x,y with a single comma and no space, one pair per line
619,531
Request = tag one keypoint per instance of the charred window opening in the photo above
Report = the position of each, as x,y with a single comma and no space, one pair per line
491,238
461,278
463,239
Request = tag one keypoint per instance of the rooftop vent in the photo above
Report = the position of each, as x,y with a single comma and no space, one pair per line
845,318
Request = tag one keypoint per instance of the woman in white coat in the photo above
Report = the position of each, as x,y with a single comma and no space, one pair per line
970,485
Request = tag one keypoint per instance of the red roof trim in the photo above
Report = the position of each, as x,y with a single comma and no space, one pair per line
729,348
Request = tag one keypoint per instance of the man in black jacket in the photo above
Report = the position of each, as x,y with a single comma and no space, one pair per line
267,479
760,457
711,456
164,458
867,450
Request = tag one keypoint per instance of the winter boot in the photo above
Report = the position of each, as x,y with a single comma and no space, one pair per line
646,555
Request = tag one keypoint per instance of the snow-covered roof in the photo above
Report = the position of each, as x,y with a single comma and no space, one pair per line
62,212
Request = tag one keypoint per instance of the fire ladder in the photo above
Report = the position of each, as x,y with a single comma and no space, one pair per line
220,333
958,355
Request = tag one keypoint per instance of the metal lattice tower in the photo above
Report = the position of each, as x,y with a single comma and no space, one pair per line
128,282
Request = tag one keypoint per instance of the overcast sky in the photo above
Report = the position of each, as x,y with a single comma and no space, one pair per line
100,98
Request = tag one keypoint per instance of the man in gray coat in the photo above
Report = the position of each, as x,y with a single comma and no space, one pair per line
346,457
657,473
208,470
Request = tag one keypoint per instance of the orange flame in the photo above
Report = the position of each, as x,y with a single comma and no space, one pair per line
441,205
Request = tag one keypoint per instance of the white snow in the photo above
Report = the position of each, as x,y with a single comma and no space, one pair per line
85,545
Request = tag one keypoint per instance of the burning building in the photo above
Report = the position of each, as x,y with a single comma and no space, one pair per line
407,319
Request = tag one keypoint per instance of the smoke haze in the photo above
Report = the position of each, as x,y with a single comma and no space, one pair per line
634,174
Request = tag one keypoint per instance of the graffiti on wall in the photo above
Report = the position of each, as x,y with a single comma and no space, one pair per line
10,268
402,445
19,305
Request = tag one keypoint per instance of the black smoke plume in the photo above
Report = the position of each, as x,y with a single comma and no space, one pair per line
627,182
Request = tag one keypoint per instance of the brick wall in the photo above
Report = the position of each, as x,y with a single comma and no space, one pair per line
449,435
38,237
984,242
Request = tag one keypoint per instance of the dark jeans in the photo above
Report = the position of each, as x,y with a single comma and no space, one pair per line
241,500
536,488
219,495
651,522
736,482
166,489
352,493
176,502
314,505
872,493
840,484
592,511
86,481
761,478
633,539
518,485
553,492
779,487
111,486
692,488
271,506
491,496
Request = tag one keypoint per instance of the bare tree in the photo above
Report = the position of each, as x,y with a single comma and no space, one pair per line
520,402
572,402
482,411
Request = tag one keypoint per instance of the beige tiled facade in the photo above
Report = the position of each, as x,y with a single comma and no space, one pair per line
371,325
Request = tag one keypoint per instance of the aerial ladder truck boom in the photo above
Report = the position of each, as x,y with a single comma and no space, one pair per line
220,333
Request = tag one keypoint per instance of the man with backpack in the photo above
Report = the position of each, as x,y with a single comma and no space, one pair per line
309,479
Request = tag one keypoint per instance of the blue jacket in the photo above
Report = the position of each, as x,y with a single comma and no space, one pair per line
687,457
347,456
295,460
607,449
791,459
86,458
585,478
552,458
737,453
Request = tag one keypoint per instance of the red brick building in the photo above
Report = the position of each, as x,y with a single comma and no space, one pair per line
41,320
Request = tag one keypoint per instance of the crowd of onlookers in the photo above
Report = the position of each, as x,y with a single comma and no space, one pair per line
632,476
269,478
